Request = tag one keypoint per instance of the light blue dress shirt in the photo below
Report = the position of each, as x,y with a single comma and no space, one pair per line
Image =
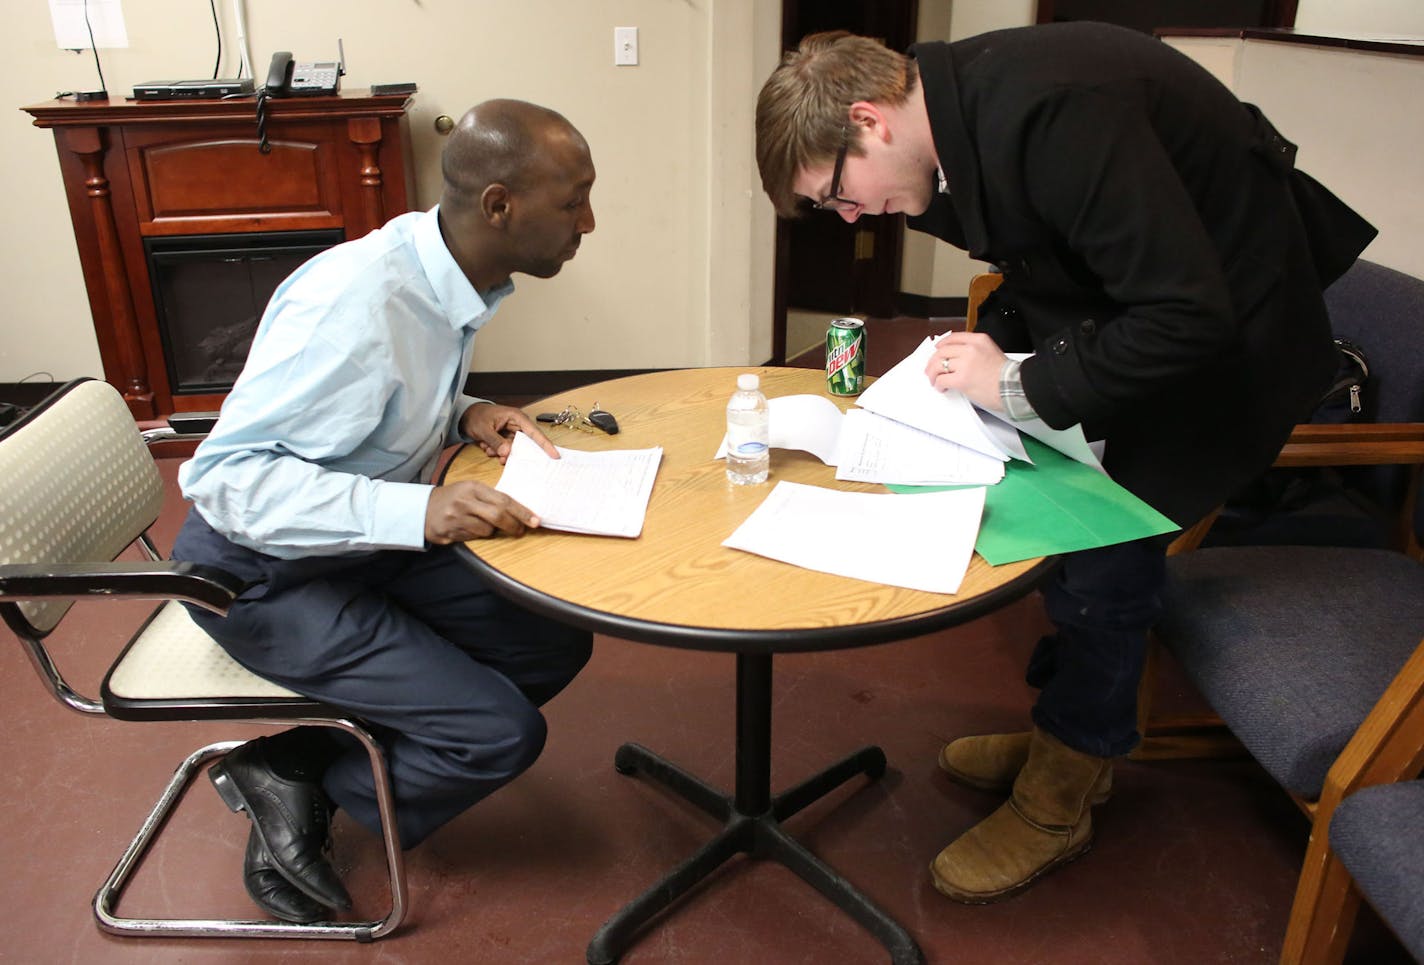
353,386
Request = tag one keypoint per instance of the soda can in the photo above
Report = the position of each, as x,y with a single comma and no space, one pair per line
845,356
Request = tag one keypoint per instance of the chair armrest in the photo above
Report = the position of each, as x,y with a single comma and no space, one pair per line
207,586
1364,444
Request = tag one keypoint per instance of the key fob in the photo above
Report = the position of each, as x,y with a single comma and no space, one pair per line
604,421
547,417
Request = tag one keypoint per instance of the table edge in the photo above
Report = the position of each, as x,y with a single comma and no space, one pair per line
781,640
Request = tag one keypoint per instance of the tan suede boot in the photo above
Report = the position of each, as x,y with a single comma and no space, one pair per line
1045,823
991,762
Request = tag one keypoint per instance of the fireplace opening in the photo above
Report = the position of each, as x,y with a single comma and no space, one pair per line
210,292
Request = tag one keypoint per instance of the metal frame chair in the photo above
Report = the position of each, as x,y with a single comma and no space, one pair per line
79,488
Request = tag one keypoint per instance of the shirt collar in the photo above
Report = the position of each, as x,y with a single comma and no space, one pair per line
464,307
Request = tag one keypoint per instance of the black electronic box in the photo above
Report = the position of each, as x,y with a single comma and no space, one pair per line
167,90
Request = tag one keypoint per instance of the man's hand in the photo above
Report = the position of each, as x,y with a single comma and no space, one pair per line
493,427
969,362
471,510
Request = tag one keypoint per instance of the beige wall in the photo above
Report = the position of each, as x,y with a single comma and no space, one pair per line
679,271
1354,115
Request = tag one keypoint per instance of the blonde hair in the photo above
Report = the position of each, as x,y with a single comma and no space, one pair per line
801,113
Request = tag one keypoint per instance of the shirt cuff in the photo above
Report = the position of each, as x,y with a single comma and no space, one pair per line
398,511
1011,392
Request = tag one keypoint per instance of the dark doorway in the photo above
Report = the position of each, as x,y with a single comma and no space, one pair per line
822,263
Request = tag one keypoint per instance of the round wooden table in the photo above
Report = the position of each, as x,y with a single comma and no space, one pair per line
676,585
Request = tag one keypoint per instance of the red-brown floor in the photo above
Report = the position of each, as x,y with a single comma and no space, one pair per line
1195,862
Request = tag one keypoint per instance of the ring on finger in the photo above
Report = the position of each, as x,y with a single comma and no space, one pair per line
944,365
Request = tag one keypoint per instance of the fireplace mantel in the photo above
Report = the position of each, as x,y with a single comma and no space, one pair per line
135,170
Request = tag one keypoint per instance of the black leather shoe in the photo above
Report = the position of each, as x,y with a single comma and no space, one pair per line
291,818
266,886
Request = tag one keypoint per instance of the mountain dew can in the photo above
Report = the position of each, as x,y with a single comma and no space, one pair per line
845,357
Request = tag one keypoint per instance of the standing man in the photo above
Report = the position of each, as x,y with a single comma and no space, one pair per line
315,488
1162,260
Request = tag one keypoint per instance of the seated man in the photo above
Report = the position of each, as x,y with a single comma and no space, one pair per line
315,488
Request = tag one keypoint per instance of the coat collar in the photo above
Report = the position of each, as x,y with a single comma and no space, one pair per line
958,218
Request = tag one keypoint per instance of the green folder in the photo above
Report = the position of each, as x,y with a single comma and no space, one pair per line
1056,505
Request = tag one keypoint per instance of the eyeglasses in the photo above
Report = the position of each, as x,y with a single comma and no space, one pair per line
833,202
571,417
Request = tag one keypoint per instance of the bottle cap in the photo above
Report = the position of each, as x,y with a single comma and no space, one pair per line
748,382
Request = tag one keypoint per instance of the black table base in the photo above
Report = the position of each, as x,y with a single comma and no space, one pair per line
752,824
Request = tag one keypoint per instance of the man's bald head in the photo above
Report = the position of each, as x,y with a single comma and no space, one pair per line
499,142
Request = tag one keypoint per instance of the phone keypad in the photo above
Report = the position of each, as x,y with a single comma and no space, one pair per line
321,77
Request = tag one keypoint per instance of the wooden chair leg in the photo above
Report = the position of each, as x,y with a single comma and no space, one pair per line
1170,737
1322,917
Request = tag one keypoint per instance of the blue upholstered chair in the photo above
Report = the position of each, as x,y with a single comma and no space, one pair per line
1311,655
1378,834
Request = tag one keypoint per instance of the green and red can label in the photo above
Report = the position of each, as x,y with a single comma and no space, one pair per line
845,356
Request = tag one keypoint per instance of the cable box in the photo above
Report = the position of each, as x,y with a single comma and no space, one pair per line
167,90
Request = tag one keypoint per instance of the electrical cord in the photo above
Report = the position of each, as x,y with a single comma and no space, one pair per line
262,98
90,27
217,33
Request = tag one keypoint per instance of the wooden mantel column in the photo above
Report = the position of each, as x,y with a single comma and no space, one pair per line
140,170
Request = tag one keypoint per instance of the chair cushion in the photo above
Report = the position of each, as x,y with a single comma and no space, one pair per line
1292,645
1378,834
172,659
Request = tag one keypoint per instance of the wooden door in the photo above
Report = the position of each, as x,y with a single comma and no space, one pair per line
823,263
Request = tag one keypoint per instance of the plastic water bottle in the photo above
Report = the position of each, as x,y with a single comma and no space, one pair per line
748,433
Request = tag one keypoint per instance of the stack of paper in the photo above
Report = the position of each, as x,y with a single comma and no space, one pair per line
906,395
602,493
907,433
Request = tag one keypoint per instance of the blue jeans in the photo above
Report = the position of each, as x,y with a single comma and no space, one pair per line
1102,602
449,673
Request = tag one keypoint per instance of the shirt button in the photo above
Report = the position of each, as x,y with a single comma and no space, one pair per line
1088,326
1060,346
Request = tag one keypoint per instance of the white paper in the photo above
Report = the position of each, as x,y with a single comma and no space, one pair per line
865,447
601,493
922,541
875,449
905,395
910,398
106,19
811,423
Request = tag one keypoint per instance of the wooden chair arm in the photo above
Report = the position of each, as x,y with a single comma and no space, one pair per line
1363,444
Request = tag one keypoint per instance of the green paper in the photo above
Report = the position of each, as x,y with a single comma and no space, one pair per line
1055,505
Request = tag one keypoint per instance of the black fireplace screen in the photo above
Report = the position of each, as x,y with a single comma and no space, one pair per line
210,292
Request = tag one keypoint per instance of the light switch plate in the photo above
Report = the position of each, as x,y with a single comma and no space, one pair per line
625,46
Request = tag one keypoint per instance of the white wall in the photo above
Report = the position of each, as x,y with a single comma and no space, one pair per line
679,270
1360,18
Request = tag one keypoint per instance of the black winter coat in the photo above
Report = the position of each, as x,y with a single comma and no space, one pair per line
1161,256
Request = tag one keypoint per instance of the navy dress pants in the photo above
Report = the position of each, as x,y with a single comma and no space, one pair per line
449,673
1103,602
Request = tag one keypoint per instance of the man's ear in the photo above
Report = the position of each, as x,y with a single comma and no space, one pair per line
868,116
494,204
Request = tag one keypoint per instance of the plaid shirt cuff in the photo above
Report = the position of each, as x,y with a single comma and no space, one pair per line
1011,392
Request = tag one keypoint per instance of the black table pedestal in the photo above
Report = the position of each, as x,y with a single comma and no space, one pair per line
752,820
